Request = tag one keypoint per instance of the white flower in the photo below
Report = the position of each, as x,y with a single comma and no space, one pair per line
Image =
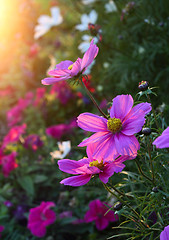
86,19
86,2
64,149
110,7
84,45
45,22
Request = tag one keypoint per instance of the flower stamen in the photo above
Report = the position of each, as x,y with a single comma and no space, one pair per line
97,164
114,124
70,67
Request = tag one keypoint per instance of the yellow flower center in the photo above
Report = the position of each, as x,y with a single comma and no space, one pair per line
70,67
97,164
114,124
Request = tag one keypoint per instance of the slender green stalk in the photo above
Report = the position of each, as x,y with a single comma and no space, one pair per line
93,100
141,171
151,163
148,96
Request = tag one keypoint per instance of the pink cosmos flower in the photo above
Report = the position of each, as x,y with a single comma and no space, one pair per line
40,217
97,213
33,141
8,163
115,136
165,234
87,167
14,135
163,140
68,69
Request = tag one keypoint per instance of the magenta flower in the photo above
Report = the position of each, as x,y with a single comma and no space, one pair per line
88,167
14,135
1,229
98,213
33,141
163,140
165,234
115,136
40,217
62,91
68,69
40,94
8,163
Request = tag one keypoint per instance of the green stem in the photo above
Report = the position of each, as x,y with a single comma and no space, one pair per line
93,100
148,96
141,171
151,163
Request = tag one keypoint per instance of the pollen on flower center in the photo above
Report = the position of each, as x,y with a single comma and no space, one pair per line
70,67
114,124
97,164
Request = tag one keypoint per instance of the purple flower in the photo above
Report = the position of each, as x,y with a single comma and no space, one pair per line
33,142
165,234
87,167
98,213
68,69
115,136
40,217
163,140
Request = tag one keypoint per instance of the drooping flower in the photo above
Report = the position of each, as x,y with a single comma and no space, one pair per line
67,69
87,19
33,142
40,217
165,234
163,140
13,135
85,168
115,136
64,149
45,22
98,212
8,163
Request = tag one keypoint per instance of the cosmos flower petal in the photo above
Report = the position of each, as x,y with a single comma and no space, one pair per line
63,65
163,140
69,166
89,55
77,181
126,145
106,149
165,234
48,81
99,136
76,68
91,122
134,123
122,105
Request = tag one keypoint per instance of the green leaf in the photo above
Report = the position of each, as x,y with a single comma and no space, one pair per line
27,184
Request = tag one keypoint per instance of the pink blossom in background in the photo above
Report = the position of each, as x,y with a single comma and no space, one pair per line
68,69
14,135
115,136
165,234
1,229
40,217
40,94
8,163
87,167
97,213
65,214
33,141
163,140
15,114
62,91
57,131
34,50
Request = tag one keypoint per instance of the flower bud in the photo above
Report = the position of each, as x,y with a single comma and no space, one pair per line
146,131
143,85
